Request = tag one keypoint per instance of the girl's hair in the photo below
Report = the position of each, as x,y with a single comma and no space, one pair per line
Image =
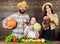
45,12
30,19
33,17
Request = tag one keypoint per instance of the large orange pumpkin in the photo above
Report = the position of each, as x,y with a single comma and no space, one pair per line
11,23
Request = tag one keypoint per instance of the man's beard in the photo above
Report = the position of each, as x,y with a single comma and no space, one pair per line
22,12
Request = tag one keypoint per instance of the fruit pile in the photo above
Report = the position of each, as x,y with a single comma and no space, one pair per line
30,40
12,38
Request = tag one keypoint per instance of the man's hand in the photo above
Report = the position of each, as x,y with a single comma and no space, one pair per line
9,27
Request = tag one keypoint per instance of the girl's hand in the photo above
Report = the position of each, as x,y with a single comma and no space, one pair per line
37,35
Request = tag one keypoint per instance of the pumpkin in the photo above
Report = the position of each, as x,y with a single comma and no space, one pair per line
11,23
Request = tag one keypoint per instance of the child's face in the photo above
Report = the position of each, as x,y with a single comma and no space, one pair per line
33,20
22,22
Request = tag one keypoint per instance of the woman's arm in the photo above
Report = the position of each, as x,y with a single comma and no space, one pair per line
56,20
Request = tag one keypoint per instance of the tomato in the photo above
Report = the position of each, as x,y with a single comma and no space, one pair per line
14,39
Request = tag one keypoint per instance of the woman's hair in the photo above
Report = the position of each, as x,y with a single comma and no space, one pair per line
45,12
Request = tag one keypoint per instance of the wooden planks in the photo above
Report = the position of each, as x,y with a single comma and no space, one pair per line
8,7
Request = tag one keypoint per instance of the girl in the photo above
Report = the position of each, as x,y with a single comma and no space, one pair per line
29,31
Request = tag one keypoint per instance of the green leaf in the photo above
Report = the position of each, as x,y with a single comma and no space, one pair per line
48,42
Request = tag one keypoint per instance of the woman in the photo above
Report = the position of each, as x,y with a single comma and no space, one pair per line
49,25
29,31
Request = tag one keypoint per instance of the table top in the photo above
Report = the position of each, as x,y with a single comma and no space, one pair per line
53,42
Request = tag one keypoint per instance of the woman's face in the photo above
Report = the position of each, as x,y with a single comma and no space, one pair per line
48,9
33,20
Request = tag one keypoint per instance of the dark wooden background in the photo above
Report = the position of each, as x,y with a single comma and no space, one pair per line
8,7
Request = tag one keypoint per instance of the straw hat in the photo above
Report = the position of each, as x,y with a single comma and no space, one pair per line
22,3
45,5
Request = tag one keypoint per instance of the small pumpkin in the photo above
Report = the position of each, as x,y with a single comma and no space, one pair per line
11,23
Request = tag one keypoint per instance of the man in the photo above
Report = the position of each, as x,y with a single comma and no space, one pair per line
22,6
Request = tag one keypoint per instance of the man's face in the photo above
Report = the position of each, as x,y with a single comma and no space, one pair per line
22,9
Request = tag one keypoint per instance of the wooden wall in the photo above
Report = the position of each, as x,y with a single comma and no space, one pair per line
8,7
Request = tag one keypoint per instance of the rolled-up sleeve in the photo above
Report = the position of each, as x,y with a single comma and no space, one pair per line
5,19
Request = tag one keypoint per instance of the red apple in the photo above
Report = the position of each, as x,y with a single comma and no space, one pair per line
14,39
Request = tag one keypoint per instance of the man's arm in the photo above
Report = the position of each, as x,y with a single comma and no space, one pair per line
5,19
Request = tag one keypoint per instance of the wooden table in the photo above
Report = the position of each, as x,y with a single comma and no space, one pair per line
3,42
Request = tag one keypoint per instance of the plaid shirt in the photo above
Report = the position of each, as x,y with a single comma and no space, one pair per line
17,17
19,31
